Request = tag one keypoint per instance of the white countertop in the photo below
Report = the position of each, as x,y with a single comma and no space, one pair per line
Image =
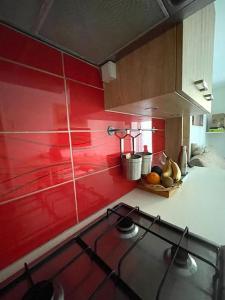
199,203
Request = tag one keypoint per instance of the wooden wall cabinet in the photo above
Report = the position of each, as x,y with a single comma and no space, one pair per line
158,79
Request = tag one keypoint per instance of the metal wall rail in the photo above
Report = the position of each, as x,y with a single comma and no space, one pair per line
122,133
126,131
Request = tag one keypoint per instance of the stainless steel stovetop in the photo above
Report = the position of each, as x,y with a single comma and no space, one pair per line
125,254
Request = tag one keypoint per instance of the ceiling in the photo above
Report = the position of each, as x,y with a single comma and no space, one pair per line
219,46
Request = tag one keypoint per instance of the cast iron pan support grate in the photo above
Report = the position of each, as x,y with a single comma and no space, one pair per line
156,219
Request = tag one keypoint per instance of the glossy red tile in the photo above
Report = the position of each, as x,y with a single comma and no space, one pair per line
79,70
158,123
87,111
158,159
29,222
30,162
97,190
23,49
158,138
30,100
158,141
94,151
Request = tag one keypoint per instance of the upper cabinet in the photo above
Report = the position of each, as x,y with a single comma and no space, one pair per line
169,76
195,74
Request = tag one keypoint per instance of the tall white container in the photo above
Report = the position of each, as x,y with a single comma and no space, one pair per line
146,162
132,166
183,160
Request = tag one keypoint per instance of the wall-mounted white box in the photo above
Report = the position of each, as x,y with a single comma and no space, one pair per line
108,71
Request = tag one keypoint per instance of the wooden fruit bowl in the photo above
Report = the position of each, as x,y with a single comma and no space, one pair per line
159,189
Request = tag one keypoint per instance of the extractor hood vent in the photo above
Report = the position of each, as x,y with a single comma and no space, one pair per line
95,30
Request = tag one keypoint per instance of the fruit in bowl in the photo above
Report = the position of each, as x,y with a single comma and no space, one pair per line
153,178
157,170
167,182
171,169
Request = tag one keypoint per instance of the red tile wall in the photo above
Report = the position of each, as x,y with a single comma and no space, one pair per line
58,165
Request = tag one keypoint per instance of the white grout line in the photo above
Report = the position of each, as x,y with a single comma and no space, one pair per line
86,130
97,172
31,132
70,140
60,131
48,73
81,59
51,131
54,186
35,192
48,44
30,67
84,83
68,181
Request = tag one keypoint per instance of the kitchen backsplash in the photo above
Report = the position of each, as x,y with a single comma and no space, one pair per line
58,165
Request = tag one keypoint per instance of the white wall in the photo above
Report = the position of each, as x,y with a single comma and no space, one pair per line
213,141
219,44
218,105
216,141
197,133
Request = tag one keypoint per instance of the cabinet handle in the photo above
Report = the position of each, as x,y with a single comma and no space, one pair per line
209,97
201,85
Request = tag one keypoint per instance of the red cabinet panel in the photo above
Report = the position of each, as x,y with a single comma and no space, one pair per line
30,162
29,222
30,100
23,49
97,190
79,70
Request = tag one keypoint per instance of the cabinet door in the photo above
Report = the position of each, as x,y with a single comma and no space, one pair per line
145,73
197,55
208,24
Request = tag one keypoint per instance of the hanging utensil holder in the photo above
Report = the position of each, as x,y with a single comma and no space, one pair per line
134,165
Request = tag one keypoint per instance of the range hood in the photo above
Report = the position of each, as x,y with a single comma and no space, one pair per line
96,30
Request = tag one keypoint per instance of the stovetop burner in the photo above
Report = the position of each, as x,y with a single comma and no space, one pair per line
41,290
44,290
126,228
184,263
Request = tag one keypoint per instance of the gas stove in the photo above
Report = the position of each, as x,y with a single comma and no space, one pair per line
125,254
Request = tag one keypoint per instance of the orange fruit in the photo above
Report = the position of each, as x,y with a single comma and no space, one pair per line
153,178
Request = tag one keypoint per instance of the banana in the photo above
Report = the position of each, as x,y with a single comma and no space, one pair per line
167,169
176,171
